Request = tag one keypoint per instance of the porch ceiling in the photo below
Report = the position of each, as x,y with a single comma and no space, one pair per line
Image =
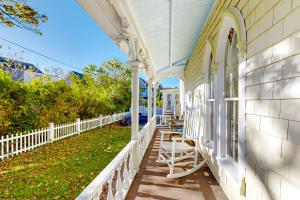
166,30
170,28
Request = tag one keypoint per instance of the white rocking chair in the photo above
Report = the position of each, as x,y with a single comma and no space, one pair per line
178,149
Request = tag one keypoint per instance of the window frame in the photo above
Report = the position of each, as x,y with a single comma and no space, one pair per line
232,18
232,98
210,109
208,139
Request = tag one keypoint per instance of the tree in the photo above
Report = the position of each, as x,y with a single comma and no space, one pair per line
102,90
17,13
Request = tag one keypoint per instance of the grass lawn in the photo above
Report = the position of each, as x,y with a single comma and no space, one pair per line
61,170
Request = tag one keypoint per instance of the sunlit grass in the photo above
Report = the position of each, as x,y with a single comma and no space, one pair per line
63,169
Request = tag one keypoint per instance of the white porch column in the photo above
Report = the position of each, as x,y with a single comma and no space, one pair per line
149,99
181,96
164,100
134,65
154,99
173,103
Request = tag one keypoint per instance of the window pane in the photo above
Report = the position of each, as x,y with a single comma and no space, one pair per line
231,67
211,120
227,70
232,129
210,79
234,67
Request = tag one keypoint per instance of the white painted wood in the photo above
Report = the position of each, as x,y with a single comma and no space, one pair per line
134,99
178,150
125,159
22,142
155,87
232,19
51,131
149,99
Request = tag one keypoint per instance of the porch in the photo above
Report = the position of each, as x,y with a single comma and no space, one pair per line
151,183
238,61
135,174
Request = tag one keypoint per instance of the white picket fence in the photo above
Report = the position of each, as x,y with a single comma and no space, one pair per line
15,144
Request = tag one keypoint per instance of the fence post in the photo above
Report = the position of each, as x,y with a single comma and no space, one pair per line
51,131
101,122
78,125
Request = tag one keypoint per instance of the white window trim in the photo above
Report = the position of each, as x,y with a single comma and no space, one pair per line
206,141
232,16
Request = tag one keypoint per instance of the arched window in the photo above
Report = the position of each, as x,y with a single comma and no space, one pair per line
210,100
230,93
231,75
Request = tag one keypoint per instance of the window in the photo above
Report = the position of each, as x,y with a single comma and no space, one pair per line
210,100
231,94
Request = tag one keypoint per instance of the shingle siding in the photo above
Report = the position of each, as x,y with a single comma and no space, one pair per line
272,95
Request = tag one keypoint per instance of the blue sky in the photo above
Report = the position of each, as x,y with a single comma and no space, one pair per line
69,35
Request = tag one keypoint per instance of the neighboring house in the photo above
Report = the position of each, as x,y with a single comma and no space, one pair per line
23,71
68,76
171,101
143,92
143,100
19,70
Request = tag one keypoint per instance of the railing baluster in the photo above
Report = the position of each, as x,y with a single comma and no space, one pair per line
125,174
131,167
98,193
119,193
110,195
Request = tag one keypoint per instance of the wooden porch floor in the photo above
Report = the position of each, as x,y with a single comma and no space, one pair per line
151,181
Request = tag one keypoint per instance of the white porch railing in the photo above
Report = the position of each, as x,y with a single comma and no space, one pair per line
15,144
145,136
116,178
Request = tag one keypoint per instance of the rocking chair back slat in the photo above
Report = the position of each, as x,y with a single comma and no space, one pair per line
180,149
191,124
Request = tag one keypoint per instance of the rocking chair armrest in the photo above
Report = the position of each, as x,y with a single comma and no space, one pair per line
183,139
170,132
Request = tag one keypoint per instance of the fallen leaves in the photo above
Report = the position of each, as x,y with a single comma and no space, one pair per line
61,169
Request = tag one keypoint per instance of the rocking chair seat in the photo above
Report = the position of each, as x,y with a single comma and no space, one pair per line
171,153
179,146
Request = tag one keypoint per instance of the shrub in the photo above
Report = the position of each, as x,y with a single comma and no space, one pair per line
25,106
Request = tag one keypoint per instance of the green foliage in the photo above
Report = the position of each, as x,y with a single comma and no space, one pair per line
17,13
159,98
61,170
26,106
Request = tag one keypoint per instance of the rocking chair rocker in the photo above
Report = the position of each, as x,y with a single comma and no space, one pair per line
185,147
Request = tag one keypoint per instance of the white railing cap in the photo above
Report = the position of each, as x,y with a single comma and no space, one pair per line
92,189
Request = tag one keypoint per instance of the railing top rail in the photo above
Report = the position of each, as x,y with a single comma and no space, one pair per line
91,190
